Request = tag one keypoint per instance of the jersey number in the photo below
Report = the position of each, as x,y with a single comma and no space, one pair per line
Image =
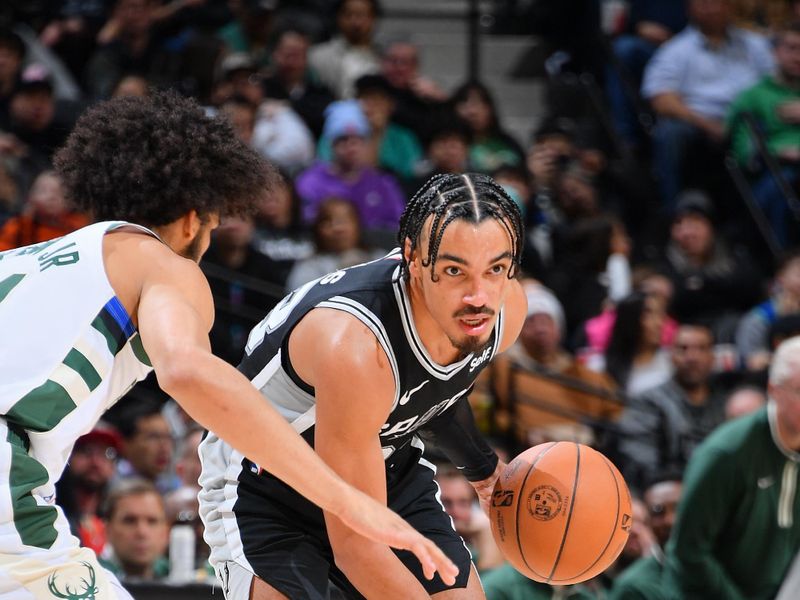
278,315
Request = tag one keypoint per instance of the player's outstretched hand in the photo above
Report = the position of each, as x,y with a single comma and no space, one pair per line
485,487
373,520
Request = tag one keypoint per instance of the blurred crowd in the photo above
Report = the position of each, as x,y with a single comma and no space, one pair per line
661,260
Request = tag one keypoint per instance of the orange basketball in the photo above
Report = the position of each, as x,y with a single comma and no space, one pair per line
561,513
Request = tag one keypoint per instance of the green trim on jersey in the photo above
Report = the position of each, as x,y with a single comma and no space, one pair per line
138,350
42,408
34,523
113,343
76,361
9,283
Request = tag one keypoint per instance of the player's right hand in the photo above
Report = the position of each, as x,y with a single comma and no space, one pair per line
367,517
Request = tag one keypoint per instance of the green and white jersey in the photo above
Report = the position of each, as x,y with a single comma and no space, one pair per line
68,351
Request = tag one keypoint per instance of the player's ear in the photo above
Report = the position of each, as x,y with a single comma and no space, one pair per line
190,224
410,255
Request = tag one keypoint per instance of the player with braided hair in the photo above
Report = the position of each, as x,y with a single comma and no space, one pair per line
86,316
366,363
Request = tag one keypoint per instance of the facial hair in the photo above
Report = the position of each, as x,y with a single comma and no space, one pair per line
192,250
470,343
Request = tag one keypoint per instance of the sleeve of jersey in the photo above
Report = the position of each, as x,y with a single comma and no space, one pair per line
456,435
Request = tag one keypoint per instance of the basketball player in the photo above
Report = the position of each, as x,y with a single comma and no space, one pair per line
362,362
86,316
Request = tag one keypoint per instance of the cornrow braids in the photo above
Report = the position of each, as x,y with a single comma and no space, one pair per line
470,197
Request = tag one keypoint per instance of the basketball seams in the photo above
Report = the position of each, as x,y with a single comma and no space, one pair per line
613,529
519,503
569,515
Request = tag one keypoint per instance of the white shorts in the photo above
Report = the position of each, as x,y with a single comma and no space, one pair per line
74,572
235,580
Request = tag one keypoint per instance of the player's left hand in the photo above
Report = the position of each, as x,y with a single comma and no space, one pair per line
485,487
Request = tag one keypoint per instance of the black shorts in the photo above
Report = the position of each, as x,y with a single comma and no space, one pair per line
286,543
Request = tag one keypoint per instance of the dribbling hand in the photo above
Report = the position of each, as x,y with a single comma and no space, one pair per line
375,521
485,487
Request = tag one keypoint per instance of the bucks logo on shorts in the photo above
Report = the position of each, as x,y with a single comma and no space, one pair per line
89,589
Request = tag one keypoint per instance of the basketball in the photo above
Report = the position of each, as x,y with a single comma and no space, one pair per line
561,513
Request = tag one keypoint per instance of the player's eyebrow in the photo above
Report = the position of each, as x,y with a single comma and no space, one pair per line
461,261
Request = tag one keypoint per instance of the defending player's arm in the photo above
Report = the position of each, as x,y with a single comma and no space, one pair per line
174,315
354,387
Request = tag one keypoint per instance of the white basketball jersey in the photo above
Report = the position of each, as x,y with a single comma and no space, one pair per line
68,351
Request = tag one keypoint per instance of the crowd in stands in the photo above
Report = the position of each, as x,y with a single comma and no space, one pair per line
661,257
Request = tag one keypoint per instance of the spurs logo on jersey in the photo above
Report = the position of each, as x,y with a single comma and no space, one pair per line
374,294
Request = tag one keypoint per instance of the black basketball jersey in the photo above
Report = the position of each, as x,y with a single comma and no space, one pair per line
375,294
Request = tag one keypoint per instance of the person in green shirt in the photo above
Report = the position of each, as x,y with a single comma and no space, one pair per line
775,104
737,529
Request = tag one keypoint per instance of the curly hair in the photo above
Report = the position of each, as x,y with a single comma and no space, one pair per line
471,197
152,160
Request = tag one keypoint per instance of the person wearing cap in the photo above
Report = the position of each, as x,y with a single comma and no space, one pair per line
377,195
542,392
391,147
714,283
86,480
32,114
351,53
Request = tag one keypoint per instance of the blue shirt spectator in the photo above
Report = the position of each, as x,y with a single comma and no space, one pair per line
708,78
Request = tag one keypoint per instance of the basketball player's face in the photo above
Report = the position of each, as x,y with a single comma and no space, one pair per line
472,281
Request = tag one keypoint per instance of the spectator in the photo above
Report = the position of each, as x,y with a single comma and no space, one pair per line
447,152
713,282
470,522
418,100
147,445
391,147
597,330
47,214
542,392
351,53
739,499
131,85
744,400
660,429
635,357
592,267
138,532
491,146
377,195
91,467
291,79
752,333
241,114
250,31
33,117
12,52
280,235
774,104
240,268
337,237
691,81
126,44
642,580
651,23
